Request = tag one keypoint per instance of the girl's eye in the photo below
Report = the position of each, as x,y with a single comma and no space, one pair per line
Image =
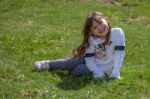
100,22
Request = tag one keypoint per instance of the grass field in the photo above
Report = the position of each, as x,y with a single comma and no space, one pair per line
33,30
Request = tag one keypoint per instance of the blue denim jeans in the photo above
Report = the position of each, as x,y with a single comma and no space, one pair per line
74,65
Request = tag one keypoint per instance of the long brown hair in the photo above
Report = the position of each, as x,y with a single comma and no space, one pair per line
80,50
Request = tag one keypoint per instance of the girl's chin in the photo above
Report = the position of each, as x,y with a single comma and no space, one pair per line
103,36
100,35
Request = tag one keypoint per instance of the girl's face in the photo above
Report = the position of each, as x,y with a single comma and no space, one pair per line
99,28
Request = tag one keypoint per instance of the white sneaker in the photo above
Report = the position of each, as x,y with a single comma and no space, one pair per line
38,66
42,65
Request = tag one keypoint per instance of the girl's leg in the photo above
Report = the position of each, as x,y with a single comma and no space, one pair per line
81,70
65,64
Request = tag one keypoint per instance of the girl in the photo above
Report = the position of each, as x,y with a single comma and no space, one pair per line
101,52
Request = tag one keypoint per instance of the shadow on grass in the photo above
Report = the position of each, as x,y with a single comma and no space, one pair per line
72,82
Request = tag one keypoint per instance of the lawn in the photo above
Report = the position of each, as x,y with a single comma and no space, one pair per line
33,30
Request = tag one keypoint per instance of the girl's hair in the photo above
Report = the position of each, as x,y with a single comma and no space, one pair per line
80,50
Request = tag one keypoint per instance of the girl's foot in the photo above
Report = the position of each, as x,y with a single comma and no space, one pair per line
41,65
37,66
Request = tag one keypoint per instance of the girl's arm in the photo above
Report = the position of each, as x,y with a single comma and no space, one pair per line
90,60
119,53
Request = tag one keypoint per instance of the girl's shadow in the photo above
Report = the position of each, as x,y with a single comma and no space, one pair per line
71,82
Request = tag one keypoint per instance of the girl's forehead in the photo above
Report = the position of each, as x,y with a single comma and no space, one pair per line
98,17
96,21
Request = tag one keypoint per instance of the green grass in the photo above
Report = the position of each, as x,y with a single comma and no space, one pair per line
33,30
